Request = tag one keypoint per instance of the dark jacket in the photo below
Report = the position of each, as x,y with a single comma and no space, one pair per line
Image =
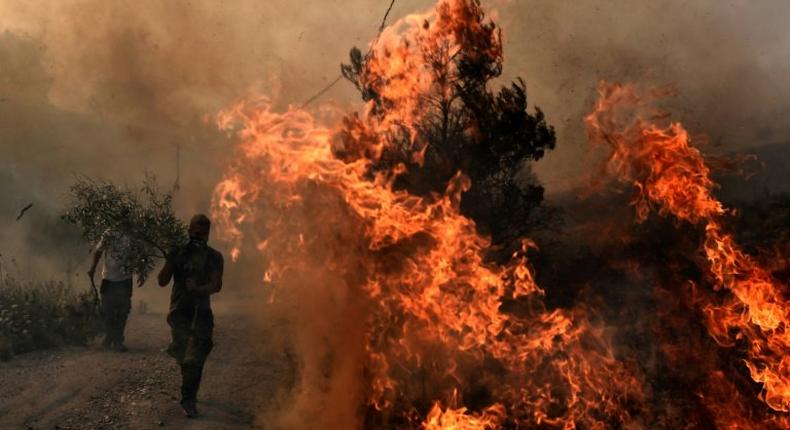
197,261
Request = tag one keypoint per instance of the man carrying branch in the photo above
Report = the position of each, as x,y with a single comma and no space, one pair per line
196,270
116,289
145,222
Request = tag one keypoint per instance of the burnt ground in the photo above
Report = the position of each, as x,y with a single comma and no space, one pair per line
89,388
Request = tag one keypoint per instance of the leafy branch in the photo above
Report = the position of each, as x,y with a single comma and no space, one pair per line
140,224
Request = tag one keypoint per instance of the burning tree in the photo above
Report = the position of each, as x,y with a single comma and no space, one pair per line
140,223
363,224
432,91
373,228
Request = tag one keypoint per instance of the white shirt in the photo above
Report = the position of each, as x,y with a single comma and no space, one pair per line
112,269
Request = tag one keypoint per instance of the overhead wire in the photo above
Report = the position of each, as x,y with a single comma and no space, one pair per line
339,77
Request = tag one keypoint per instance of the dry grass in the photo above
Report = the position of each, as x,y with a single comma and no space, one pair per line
38,315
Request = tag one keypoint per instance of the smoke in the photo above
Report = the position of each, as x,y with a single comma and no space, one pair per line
143,75
165,62
724,58
319,309
112,88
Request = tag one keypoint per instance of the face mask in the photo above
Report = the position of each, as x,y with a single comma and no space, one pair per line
197,242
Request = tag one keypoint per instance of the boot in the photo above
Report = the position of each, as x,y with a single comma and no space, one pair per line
190,408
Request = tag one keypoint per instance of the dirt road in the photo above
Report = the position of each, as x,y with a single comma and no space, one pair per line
89,388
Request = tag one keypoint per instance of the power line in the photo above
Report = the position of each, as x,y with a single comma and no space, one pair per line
384,21
340,76
322,92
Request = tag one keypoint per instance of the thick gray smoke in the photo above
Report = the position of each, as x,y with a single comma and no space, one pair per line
110,87
113,89
728,61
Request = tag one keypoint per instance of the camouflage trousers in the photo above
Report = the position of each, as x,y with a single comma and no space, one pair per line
116,302
191,328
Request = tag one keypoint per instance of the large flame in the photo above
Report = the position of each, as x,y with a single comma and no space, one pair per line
672,177
429,304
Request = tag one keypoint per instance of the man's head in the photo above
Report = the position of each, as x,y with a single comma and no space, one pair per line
199,227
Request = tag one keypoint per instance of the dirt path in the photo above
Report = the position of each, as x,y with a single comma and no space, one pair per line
88,388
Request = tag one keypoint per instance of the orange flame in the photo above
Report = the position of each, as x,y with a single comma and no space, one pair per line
460,419
433,304
672,177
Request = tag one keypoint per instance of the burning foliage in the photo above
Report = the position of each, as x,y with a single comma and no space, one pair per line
375,228
325,209
747,309
426,80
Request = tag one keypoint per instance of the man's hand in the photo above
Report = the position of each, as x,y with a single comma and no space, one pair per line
140,281
166,274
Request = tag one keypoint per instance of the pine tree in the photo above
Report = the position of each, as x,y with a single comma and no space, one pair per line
465,126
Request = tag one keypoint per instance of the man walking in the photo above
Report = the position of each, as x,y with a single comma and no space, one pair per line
116,289
196,270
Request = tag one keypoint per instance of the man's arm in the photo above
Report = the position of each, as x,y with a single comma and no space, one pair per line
166,274
96,257
100,247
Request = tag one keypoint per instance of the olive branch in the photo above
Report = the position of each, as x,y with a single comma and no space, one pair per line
139,224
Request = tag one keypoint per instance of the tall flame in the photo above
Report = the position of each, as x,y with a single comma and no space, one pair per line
429,304
672,177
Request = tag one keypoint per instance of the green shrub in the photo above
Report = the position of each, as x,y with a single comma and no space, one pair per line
38,315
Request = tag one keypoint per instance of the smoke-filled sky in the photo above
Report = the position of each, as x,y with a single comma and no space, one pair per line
156,67
109,87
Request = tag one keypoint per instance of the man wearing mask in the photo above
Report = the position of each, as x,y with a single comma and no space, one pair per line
196,271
